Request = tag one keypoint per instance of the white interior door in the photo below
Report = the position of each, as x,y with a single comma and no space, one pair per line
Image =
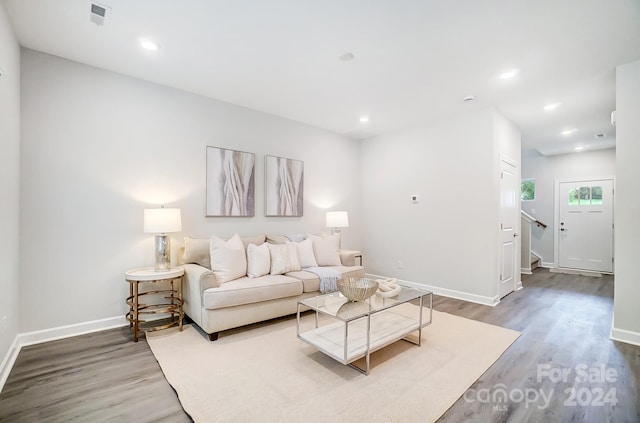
509,215
585,225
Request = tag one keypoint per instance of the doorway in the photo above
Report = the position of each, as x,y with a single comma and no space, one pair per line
584,231
509,219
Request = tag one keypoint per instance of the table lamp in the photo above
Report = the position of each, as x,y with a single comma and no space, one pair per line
161,222
337,220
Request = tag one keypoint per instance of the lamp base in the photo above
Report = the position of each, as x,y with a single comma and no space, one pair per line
162,248
339,232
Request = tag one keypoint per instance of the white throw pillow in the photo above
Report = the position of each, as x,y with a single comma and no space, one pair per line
326,249
228,259
258,260
284,258
305,253
196,250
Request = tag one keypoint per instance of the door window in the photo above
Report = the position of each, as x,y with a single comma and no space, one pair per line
585,196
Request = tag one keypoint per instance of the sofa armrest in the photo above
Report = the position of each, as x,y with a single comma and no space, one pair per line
348,257
196,280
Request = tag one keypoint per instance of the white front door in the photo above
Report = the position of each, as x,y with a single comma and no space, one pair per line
509,215
585,225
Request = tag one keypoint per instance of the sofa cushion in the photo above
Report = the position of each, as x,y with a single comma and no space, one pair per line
258,260
247,290
326,249
311,281
228,259
255,240
196,250
284,258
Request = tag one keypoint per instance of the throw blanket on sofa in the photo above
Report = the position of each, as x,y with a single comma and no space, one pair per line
295,237
328,278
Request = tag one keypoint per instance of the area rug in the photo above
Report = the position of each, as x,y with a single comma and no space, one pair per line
263,373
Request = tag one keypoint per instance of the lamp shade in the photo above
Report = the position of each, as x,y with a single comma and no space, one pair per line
162,221
337,219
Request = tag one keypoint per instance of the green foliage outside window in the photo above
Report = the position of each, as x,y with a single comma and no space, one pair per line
528,190
585,196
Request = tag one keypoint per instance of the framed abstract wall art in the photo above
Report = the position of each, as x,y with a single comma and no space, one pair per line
230,182
284,186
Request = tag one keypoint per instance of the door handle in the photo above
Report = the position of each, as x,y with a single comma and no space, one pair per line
515,235
564,229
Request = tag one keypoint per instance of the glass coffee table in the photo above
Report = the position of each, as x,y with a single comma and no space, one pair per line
353,330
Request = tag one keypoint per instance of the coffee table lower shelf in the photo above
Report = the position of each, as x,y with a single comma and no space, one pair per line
385,328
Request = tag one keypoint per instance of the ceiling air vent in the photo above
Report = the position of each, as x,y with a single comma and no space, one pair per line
98,14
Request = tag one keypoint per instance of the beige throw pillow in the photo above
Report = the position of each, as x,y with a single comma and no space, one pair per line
256,240
228,259
277,239
305,253
258,260
284,258
325,249
196,250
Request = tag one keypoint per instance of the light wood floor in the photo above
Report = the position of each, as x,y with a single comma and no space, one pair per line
565,321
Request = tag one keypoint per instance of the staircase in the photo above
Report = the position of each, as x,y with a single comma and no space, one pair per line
535,262
529,260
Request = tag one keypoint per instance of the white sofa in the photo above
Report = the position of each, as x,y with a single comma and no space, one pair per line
216,307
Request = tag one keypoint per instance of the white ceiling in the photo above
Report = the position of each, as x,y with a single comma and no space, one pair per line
415,60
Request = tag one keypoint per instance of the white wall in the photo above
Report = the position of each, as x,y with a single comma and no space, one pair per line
449,240
9,184
99,147
626,320
546,170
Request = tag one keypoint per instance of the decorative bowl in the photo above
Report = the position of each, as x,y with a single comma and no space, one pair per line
357,289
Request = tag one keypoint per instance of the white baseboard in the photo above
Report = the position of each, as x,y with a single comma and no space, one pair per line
450,293
46,335
525,271
537,255
519,286
8,361
548,264
625,336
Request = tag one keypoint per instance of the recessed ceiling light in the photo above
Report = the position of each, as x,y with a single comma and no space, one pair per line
148,44
579,148
509,74
364,119
552,106
569,131
346,57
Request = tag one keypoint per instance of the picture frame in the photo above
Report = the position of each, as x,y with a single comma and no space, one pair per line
230,184
284,186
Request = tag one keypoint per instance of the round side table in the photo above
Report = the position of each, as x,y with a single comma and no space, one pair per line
171,303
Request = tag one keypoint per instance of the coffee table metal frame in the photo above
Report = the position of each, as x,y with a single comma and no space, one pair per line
390,327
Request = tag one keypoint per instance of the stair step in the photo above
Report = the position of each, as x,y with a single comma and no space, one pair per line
535,262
